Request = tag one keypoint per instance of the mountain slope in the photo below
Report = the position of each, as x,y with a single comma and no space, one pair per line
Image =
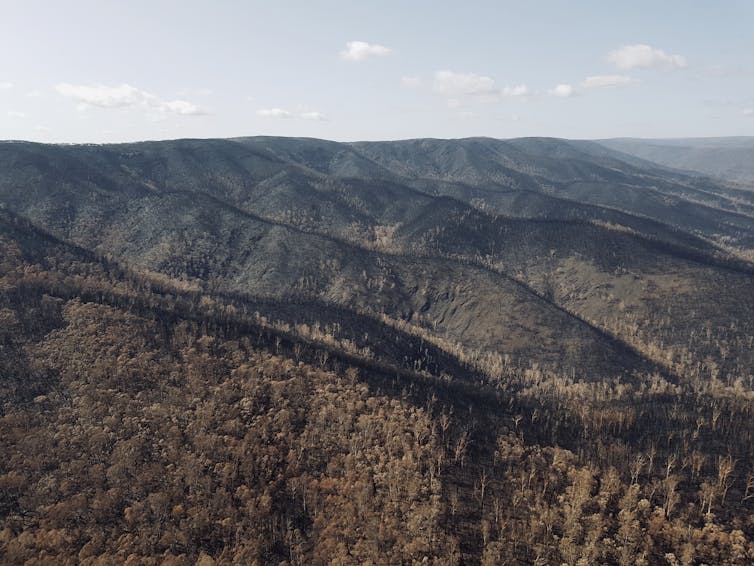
577,172
270,350
274,218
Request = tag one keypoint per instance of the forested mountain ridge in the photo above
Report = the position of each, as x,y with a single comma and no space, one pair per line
292,350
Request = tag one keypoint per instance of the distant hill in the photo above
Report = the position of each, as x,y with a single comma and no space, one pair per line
725,158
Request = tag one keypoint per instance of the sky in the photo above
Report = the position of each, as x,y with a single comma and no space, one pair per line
105,71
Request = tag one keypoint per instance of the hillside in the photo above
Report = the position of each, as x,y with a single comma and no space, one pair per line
724,158
289,350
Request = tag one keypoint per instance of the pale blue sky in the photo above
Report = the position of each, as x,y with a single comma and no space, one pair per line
103,71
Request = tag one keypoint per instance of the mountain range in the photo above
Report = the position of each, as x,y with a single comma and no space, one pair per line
292,350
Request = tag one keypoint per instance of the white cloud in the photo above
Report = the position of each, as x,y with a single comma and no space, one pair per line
607,81
274,113
5,85
281,113
14,114
125,96
589,83
562,90
361,50
643,56
42,129
518,90
454,84
103,96
411,82
748,111
313,116
182,107
453,103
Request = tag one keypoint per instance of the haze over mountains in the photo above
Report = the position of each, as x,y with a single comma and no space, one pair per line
725,158
558,328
